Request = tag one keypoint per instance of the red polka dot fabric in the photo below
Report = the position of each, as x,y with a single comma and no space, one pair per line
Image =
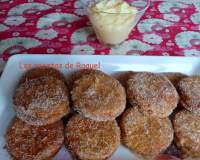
168,28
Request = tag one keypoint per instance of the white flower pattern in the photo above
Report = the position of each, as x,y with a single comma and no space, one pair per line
46,34
166,7
54,2
79,4
14,20
3,27
147,25
81,35
21,8
80,12
152,38
17,43
48,20
187,39
171,17
191,52
195,18
130,45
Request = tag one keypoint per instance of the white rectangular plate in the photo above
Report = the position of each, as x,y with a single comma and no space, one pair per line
69,63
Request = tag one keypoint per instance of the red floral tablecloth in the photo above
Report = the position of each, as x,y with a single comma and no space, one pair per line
168,28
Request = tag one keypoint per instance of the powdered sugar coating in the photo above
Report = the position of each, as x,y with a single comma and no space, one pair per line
189,91
41,101
98,97
88,139
174,77
26,142
187,132
153,93
124,76
37,72
80,73
145,135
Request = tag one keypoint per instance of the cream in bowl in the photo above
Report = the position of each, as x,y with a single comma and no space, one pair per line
112,20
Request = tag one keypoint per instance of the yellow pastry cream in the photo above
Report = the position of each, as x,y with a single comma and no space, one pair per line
112,20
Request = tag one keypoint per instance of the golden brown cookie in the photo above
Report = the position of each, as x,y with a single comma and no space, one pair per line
153,93
80,73
174,77
26,142
41,101
187,133
98,97
124,76
91,140
37,72
189,91
145,135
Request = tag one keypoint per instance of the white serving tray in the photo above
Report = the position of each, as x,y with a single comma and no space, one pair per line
109,64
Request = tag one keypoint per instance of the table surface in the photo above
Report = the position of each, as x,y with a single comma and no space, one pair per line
168,28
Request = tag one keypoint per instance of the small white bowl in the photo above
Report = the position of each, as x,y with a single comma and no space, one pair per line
114,28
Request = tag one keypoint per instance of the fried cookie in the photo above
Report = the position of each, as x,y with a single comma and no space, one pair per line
189,91
37,72
174,77
98,97
124,76
27,142
41,101
153,93
80,73
145,135
187,133
91,140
